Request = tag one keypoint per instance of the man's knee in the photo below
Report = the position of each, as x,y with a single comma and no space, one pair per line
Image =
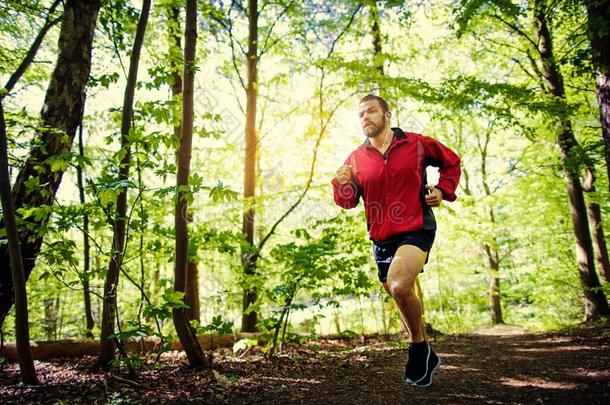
400,287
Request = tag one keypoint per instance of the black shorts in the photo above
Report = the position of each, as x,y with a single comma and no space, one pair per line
384,251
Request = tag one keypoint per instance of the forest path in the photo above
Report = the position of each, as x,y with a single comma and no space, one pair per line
501,330
568,367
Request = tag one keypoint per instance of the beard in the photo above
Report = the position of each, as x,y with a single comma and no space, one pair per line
372,130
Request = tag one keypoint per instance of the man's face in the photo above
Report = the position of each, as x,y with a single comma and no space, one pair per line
372,118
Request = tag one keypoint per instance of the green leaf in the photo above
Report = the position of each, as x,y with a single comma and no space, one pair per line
59,165
220,192
38,213
219,326
174,299
32,183
107,197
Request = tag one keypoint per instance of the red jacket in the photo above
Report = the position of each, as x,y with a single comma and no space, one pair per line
393,186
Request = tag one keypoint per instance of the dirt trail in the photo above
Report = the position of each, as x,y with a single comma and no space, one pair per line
569,367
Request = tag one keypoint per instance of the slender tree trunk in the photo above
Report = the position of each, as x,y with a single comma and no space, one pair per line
337,321
60,117
175,49
31,54
600,249
383,310
109,311
186,334
260,230
28,370
377,40
599,33
493,265
251,253
602,87
492,256
595,301
192,291
22,331
86,245
495,302
97,305
50,318
59,303
156,280
491,252
249,317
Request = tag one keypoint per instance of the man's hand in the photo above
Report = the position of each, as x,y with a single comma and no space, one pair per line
434,197
344,174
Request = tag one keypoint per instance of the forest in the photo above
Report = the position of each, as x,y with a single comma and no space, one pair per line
168,229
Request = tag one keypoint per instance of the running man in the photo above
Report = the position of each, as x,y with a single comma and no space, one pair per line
389,172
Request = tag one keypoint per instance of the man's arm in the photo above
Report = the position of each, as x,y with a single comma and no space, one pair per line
448,162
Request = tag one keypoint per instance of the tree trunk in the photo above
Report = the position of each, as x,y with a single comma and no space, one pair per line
599,240
156,287
493,257
89,323
31,54
175,48
597,230
249,316
59,303
251,253
50,318
192,291
376,32
385,316
60,117
595,301
109,311
76,349
493,265
22,331
186,334
337,321
599,33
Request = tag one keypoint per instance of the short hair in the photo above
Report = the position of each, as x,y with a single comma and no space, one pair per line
381,101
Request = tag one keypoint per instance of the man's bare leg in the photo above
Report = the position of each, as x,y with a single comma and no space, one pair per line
402,321
404,269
